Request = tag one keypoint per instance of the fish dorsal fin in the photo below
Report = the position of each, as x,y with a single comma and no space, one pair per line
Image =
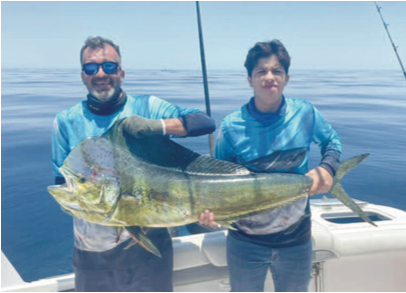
206,165
284,160
158,150
162,151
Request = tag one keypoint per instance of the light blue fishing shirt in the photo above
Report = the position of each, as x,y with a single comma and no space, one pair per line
76,123
247,134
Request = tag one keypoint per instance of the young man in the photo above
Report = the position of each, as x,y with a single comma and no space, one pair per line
100,260
279,239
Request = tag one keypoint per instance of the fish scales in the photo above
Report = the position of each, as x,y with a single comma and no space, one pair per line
180,199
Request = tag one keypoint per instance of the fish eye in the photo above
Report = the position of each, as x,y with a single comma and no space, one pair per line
82,180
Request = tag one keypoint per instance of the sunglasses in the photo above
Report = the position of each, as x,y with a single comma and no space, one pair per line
93,68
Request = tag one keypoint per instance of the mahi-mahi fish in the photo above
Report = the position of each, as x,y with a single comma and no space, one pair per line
119,180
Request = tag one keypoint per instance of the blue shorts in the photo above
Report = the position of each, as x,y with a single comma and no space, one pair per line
126,270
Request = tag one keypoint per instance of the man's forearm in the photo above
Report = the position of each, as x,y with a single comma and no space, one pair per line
174,126
194,124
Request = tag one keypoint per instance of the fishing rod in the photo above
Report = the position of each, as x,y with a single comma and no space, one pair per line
205,83
390,38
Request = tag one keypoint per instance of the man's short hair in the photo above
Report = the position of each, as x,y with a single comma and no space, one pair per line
96,43
264,50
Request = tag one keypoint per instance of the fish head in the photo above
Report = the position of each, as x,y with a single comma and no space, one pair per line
92,182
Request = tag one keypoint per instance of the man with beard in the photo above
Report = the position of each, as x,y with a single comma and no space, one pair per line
100,259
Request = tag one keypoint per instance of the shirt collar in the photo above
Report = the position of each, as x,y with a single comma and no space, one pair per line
97,107
266,117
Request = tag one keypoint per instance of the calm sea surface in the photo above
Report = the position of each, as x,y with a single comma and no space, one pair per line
367,108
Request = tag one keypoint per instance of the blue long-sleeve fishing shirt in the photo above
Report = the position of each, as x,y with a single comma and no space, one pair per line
247,134
74,124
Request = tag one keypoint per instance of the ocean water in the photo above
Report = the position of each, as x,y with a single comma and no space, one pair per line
367,108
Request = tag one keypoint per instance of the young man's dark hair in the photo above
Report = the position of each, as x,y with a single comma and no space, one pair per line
267,49
98,42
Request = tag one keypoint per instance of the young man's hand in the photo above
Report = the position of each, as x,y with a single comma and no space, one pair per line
322,180
207,218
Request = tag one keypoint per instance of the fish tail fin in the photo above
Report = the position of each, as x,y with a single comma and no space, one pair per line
338,191
140,238
348,165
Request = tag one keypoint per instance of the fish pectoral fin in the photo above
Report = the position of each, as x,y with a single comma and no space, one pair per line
140,238
131,244
119,230
227,224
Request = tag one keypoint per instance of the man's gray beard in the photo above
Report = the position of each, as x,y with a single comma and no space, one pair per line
104,96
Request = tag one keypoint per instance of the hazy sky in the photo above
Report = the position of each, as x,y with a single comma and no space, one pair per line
163,35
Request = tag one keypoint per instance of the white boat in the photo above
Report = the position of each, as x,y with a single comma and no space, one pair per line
349,255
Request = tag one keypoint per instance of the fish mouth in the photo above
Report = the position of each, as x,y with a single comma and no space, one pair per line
59,190
67,200
62,195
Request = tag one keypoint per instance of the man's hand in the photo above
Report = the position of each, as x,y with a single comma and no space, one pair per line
322,180
138,126
207,218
